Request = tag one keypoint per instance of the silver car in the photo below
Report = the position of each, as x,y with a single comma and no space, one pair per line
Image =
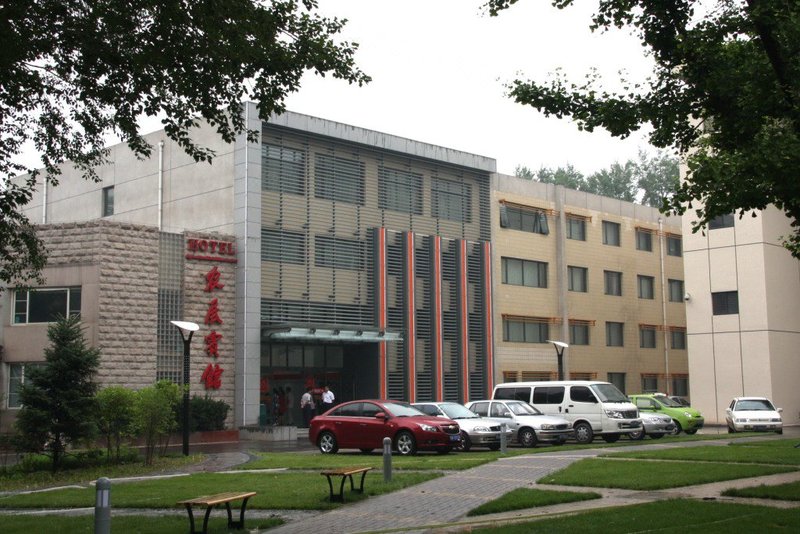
655,425
530,426
476,431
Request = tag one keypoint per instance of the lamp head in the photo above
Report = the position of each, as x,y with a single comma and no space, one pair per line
187,326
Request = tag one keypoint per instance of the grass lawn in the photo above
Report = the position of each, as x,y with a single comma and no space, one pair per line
522,498
678,516
218,524
780,492
649,475
282,490
781,452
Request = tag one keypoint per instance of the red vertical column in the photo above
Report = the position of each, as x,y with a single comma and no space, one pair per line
488,316
437,328
381,304
411,315
463,317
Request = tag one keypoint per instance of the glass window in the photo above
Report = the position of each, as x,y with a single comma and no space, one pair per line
614,334
647,337
400,190
613,283
578,334
576,228
676,290
548,395
578,279
338,253
17,374
644,240
525,330
282,246
581,394
721,221
678,339
339,179
480,408
524,272
649,384
680,386
674,245
618,379
646,286
527,220
108,201
45,305
283,169
725,302
611,233
451,200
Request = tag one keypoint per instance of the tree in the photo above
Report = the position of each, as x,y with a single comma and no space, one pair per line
58,398
725,94
567,176
657,178
155,414
115,411
73,72
615,182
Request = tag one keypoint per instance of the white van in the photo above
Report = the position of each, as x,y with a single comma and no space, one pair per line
593,408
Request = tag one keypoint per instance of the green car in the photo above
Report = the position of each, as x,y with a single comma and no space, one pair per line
686,418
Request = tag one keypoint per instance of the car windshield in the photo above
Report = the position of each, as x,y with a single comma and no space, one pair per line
755,405
457,411
608,393
666,401
522,408
401,410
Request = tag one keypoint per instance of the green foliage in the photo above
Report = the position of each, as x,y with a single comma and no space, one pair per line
115,411
522,498
725,94
150,524
58,398
207,414
155,415
657,177
614,182
75,73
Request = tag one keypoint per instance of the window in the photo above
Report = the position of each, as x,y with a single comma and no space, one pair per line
618,379
581,394
527,220
524,272
613,283
283,169
548,395
674,245
526,330
339,179
578,334
282,246
721,221
577,279
647,337
725,302
675,290
614,334
611,233
646,286
108,201
680,386
649,383
338,253
400,190
576,228
644,240
45,305
16,377
678,339
451,200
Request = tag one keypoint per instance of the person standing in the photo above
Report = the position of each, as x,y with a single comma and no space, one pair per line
327,399
307,405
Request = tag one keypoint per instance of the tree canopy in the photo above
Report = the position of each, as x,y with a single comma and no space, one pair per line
725,93
73,72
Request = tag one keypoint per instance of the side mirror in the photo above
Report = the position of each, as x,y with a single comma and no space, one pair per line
380,415
780,410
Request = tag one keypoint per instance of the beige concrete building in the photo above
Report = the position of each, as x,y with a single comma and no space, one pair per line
743,313
603,275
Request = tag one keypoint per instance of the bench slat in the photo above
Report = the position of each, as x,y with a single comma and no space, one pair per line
220,498
345,471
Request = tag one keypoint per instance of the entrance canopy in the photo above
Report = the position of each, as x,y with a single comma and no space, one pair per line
327,333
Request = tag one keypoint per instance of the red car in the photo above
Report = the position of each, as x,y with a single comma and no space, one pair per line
362,424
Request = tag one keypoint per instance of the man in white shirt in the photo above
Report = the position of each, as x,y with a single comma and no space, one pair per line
307,405
327,399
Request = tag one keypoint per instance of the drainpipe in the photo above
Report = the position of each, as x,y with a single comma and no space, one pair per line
160,182
664,303
245,267
44,200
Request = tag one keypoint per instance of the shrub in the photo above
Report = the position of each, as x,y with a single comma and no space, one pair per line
207,414
115,415
155,414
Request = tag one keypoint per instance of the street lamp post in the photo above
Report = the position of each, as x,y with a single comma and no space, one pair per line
560,346
186,330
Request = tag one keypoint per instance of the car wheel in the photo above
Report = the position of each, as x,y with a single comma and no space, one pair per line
327,443
583,433
731,430
691,432
637,436
610,438
527,437
366,451
405,443
656,436
466,443
494,447
677,429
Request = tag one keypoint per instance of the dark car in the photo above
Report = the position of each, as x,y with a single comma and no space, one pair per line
362,424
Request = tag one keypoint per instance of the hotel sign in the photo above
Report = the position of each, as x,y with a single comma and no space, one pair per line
211,250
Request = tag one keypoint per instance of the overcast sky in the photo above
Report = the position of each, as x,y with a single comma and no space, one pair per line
439,67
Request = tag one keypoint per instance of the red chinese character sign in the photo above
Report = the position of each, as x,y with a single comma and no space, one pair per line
212,376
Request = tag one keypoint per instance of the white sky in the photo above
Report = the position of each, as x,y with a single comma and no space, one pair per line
439,66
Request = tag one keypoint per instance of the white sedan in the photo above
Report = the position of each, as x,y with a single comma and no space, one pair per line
756,414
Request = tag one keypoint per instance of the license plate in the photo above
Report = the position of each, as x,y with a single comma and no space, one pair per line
455,437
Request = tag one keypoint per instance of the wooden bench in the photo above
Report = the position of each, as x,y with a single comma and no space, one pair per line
345,473
211,501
